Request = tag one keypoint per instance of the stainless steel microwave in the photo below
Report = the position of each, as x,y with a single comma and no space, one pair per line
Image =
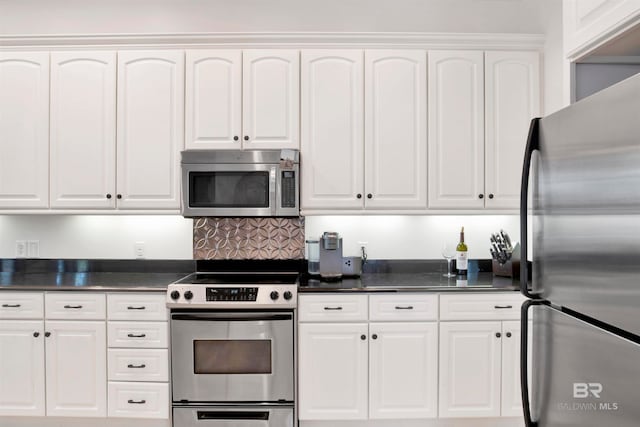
240,183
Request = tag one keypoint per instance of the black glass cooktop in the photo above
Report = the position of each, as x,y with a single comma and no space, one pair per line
240,279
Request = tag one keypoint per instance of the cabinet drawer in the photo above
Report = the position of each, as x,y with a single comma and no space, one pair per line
138,334
481,306
403,307
21,305
138,400
129,306
332,308
75,305
138,365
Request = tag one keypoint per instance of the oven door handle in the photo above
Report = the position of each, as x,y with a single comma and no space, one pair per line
233,415
231,317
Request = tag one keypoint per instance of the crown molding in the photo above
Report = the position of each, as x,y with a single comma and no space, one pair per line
277,40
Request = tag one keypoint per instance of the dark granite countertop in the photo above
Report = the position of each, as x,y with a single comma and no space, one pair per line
412,282
91,275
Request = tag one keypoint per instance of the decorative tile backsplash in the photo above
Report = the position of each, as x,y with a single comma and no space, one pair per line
248,238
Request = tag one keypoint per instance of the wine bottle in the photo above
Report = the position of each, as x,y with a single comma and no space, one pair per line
461,256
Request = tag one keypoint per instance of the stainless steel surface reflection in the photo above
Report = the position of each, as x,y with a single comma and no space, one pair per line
587,206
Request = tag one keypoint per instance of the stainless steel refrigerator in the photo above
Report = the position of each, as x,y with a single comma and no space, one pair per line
582,174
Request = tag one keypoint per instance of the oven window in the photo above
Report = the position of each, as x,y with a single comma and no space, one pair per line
232,356
229,189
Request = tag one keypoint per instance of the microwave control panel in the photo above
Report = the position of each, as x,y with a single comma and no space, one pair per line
232,294
288,196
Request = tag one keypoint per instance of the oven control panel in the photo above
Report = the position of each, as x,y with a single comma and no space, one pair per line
231,294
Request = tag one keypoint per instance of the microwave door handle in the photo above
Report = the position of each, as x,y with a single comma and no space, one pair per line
273,182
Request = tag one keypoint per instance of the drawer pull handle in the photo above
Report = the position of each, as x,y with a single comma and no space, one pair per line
333,308
502,306
409,307
142,307
136,402
130,366
11,305
73,306
136,335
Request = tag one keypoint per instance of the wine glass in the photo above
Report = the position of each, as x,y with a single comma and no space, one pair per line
448,252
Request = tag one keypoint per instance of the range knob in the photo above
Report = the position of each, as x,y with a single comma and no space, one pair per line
287,295
188,295
274,295
175,294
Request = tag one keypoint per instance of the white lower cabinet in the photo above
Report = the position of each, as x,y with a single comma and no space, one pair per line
403,370
75,368
138,400
333,371
362,370
22,367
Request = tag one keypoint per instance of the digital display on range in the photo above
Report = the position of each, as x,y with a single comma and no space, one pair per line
232,294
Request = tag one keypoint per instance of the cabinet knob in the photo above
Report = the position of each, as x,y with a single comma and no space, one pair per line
119,196
508,334
491,196
480,196
108,196
359,196
36,334
374,336
498,334
235,138
246,138
363,337
47,334
369,196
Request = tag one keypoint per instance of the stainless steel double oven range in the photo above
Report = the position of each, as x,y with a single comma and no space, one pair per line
232,348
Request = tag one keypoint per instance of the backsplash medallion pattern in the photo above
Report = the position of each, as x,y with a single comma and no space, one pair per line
248,238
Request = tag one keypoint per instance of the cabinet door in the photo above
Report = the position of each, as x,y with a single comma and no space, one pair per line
24,130
332,145
83,130
456,129
150,128
470,368
271,99
403,370
76,368
512,99
333,371
511,388
395,129
213,108
22,367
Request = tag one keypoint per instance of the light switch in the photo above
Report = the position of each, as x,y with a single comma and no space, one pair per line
21,248
33,248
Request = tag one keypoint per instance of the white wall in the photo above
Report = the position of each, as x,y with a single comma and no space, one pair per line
213,16
413,237
98,236
170,236
556,67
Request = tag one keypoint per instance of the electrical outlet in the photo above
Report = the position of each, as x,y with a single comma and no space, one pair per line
21,248
33,248
363,250
139,249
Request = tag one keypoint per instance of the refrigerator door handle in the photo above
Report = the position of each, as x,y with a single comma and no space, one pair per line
532,145
524,347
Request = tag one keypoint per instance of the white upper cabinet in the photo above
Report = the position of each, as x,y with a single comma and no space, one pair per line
588,23
512,99
456,129
395,129
480,108
242,99
213,107
150,128
271,99
332,146
83,130
24,130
